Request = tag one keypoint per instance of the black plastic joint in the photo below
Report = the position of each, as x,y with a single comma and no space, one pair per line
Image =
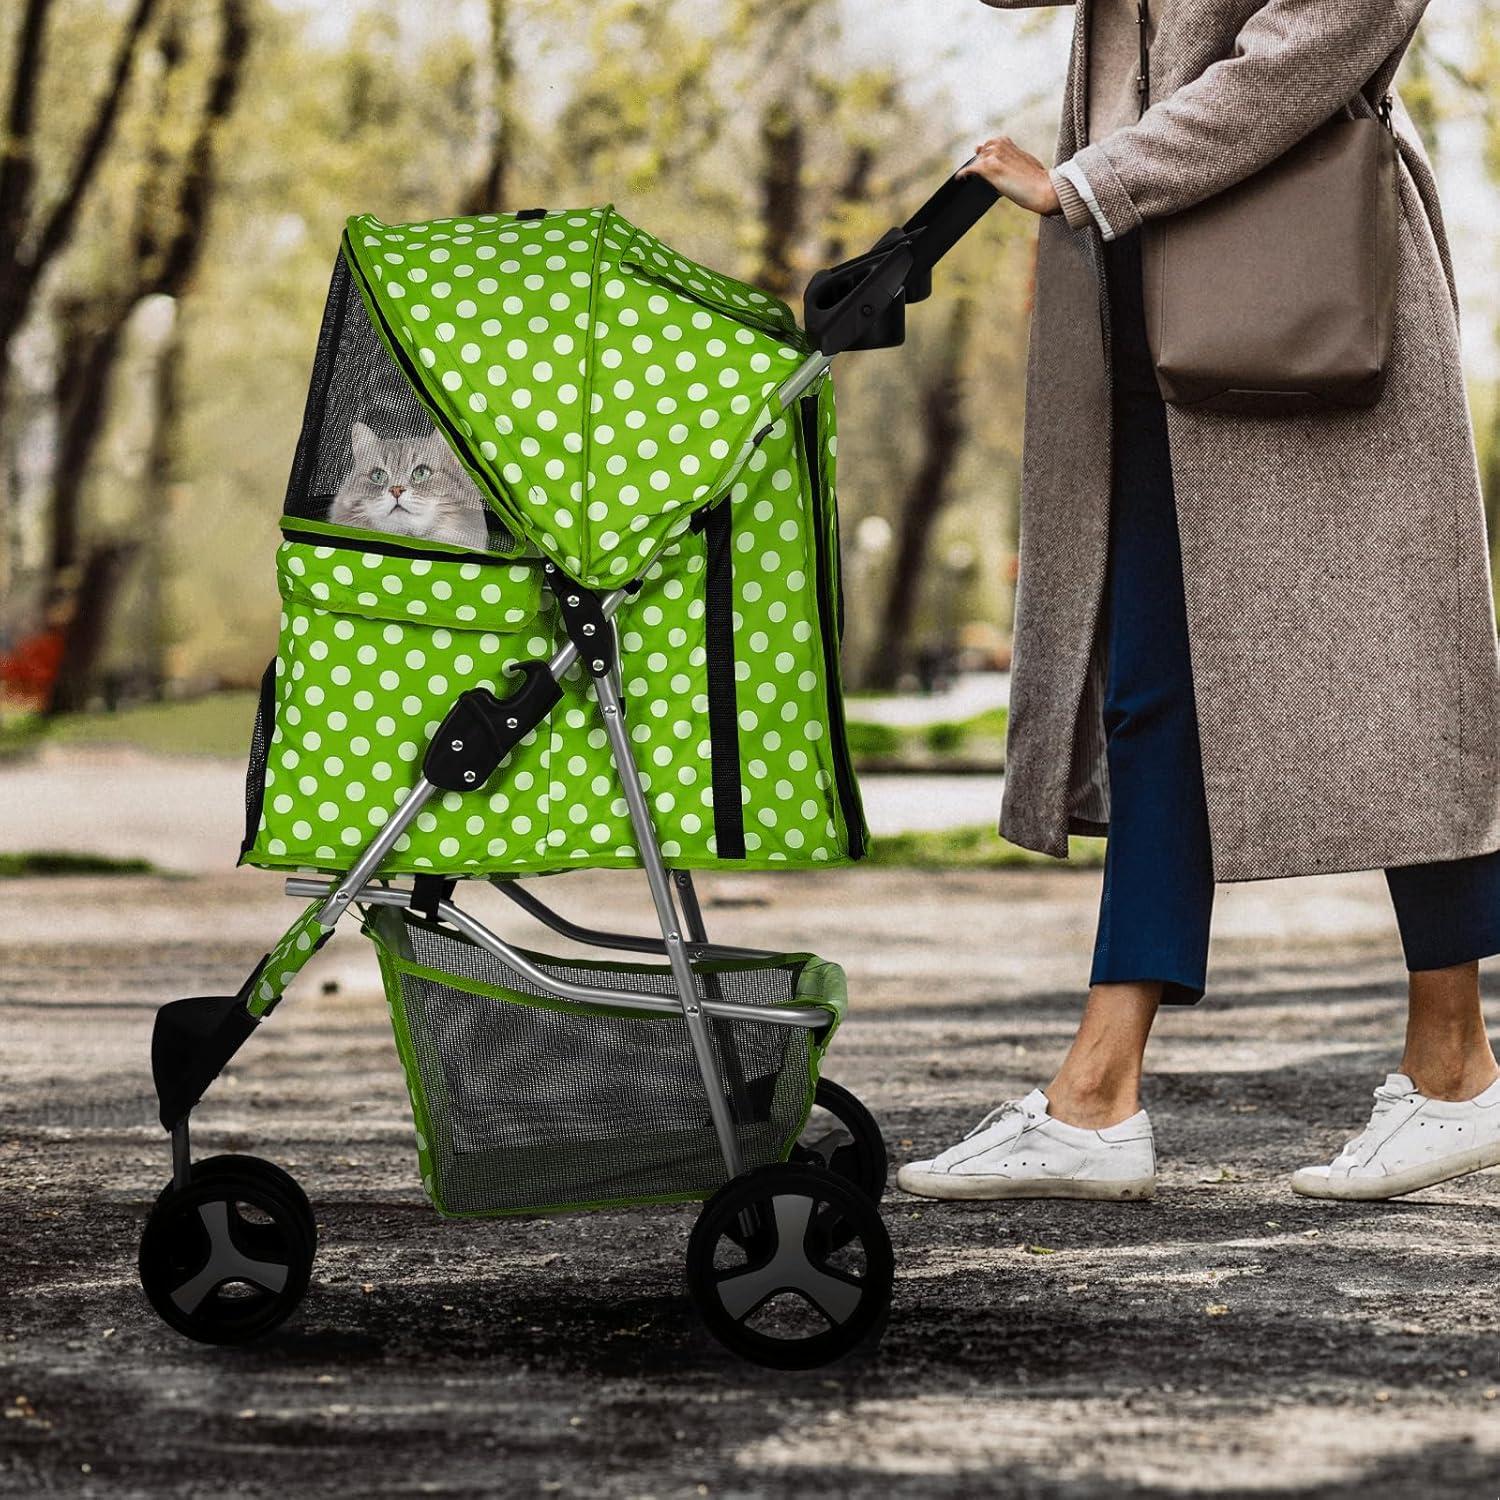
481,730
191,1043
584,619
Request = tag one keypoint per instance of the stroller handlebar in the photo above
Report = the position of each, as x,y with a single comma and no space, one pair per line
944,219
861,303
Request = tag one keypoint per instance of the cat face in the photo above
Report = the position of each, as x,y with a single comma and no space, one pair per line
411,487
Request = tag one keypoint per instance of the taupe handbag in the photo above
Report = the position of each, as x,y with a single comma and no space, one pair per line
1278,294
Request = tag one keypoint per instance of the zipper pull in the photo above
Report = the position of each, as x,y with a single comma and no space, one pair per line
1383,113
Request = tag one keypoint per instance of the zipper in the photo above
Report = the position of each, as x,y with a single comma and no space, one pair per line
830,628
395,549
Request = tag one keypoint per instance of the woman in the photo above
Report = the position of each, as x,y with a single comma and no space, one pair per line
1246,646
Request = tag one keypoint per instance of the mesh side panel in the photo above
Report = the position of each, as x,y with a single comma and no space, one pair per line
354,379
260,749
534,1108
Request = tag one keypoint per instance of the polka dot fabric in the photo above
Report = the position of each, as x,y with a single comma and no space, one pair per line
601,385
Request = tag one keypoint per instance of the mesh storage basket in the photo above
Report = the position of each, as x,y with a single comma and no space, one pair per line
526,1103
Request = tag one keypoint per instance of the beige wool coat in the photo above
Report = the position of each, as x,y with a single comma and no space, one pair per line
1335,565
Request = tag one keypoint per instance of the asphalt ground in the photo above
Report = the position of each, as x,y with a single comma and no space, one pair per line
1225,1339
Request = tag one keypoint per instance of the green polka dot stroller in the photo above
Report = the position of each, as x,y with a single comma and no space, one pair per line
559,573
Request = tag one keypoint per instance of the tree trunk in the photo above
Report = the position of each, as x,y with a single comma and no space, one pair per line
782,196
94,600
90,351
490,189
944,426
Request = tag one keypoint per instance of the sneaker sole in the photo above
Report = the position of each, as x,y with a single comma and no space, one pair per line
1397,1184
993,1189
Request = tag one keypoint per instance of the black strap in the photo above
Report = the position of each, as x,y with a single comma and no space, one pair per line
1143,78
428,892
723,705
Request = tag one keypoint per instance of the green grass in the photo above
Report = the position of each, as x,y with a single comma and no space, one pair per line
218,724
873,740
60,862
976,848
981,738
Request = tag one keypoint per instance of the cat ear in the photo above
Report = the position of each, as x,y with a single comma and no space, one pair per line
433,448
365,444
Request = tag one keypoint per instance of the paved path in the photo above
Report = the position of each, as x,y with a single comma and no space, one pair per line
1224,1340
972,694
187,813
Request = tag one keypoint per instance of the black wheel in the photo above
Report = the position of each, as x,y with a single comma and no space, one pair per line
227,1258
273,1175
791,1266
842,1136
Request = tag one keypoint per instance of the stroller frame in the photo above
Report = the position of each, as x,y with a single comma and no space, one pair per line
791,1219
603,664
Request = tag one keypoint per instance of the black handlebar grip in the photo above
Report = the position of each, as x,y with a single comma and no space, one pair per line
944,220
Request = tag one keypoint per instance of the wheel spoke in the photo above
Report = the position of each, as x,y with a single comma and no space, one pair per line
826,1148
834,1295
226,1263
790,1269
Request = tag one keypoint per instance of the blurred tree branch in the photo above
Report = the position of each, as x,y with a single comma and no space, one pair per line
27,248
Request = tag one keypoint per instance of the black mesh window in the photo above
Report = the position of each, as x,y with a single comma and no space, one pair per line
354,380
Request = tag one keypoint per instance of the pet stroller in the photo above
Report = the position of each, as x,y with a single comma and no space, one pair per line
639,669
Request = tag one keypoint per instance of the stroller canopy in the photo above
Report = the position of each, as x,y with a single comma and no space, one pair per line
598,386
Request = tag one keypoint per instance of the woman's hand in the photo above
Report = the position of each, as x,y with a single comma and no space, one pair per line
1015,174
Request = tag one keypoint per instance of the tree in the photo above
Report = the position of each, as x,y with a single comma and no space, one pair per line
943,420
32,236
489,191
171,216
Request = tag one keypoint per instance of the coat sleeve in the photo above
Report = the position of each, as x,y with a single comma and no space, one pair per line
1295,64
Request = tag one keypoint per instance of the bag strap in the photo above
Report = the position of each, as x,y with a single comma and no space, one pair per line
1143,73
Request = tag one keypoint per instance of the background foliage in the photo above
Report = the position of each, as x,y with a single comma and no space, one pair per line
176,173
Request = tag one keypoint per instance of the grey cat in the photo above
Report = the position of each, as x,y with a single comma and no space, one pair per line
410,486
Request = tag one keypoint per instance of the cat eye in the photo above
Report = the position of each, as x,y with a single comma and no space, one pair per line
420,473
379,476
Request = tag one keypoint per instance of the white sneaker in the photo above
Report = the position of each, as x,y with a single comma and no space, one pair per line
1020,1151
1411,1142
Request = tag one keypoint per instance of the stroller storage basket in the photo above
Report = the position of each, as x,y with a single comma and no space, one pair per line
527,1103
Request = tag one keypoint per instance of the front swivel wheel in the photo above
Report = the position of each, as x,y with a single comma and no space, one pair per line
228,1257
790,1266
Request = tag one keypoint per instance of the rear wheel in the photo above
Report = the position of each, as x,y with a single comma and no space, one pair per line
227,1258
791,1267
841,1135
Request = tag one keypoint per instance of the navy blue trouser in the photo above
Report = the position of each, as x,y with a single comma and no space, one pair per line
1157,904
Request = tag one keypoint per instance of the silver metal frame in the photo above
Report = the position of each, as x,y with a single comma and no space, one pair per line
626,942
514,959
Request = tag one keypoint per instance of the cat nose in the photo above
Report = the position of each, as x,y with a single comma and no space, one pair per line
398,490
